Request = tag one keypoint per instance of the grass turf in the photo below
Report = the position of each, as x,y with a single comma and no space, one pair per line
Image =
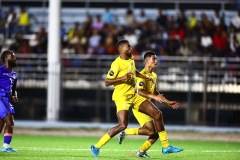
77,148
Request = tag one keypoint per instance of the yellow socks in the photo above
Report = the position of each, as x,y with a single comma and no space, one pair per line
163,138
131,131
146,145
103,141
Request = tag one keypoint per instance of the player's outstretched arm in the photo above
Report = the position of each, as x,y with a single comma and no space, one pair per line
161,98
109,82
147,95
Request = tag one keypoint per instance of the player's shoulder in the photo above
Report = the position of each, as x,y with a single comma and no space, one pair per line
143,71
116,61
154,74
13,72
1,69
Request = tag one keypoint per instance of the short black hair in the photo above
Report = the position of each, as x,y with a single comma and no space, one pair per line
148,54
4,54
120,42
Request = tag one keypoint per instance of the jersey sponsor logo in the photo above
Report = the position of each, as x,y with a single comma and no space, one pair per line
141,84
111,73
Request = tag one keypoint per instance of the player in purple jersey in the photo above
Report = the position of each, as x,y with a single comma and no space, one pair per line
8,82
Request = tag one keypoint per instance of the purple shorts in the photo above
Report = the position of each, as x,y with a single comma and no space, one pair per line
5,107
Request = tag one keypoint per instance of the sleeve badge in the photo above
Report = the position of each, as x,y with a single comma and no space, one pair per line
111,73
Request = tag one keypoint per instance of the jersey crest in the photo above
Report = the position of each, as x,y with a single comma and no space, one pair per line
111,73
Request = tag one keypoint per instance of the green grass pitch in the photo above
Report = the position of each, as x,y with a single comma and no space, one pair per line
77,148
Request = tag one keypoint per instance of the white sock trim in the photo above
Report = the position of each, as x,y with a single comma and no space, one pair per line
5,145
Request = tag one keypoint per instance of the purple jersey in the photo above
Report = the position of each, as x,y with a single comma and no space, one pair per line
8,81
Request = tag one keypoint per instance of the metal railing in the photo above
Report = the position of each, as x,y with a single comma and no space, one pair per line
174,73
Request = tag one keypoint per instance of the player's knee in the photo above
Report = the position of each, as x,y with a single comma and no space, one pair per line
158,115
151,132
10,124
123,127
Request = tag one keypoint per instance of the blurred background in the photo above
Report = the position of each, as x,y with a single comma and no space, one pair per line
197,44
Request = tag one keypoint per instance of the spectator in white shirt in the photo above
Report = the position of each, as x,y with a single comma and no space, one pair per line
236,21
94,42
10,23
216,18
129,19
206,43
131,37
141,18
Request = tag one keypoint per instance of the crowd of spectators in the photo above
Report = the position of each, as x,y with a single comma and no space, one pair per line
167,35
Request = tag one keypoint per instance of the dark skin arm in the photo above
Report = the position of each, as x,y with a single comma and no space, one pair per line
14,93
14,97
127,76
109,82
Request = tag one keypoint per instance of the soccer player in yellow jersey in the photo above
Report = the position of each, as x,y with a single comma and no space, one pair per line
122,75
149,90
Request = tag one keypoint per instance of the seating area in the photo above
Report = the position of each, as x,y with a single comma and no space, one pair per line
72,15
167,32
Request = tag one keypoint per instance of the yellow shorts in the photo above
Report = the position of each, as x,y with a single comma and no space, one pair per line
126,102
141,117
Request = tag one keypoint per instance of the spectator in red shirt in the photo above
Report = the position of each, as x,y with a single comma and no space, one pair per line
177,33
220,42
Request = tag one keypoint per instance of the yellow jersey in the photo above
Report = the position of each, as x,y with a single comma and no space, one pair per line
119,68
24,19
148,86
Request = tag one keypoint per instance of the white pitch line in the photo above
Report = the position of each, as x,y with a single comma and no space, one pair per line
116,150
211,151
